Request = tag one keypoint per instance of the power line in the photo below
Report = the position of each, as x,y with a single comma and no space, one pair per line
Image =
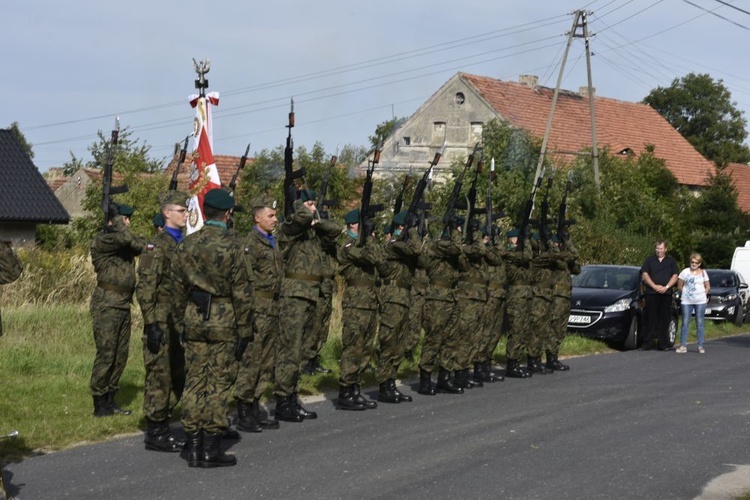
715,14
733,6
637,13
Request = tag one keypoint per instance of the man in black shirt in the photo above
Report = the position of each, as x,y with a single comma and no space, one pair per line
659,274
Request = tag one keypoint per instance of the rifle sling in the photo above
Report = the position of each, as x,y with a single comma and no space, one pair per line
304,277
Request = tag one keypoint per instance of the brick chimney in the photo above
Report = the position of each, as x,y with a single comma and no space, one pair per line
584,91
529,80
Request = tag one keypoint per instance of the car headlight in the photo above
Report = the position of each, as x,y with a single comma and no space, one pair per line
728,298
619,306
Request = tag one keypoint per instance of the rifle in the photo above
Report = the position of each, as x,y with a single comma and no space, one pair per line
544,233
524,228
180,161
450,211
400,198
488,202
562,222
472,209
107,188
417,204
243,160
321,202
290,190
366,210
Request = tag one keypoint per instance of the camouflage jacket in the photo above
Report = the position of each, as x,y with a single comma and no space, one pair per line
113,254
442,269
212,261
154,275
567,265
357,267
10,266
518,272
473,273
543,267
498,279
266,268
399,267
302,246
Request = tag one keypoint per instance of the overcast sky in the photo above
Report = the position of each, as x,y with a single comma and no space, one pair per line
70,67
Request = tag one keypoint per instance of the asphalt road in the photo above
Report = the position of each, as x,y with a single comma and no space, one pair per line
625,425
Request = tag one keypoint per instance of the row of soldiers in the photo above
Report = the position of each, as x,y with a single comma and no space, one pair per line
227,312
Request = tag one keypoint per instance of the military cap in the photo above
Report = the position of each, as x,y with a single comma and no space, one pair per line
513,233
219,199
158,220
352,216
483,229
125,210
399,219
262,202
388,229
536,236
555,239
173,198
306,194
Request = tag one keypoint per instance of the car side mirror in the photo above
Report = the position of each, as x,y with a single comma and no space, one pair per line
743,286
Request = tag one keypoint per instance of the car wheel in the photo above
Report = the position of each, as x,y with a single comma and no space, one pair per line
672,335
631,342
739,316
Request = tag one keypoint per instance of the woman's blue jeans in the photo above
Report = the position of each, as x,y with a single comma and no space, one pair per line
700,313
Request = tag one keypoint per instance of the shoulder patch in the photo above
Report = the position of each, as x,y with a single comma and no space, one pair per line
247,250
347,245
150,247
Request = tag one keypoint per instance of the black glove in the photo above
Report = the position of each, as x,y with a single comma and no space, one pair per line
154,338
239,348
412,220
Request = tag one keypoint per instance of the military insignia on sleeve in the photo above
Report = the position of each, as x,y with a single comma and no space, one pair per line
150,247
247,250
347,245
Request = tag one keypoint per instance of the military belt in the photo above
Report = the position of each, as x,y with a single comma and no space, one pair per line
304,277
114,288
267,294
473,280
442,283
220,298
398,284
496,286
363,282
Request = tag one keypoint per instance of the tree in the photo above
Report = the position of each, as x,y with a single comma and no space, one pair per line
26,145
385,129
130,157
702,110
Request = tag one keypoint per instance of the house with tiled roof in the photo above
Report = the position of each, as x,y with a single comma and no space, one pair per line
740,174
456,114
25,198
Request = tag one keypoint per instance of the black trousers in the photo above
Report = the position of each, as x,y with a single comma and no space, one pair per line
657,316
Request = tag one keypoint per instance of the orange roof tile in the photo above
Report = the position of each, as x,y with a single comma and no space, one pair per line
741,176
619,124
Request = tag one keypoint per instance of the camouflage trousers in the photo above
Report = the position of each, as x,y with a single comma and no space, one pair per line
165,376
517,311
494,310
257,366
394,330
438,321
211,372
560,311
294,316
413,330
467,334
357,336
112,339
540,327
316,331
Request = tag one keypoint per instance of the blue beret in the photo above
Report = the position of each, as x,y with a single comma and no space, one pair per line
125,210
399,219
352,216
219,199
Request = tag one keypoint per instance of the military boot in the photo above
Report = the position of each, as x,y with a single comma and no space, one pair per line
212,455
317,367
401,396
195,448
446,384
534,365
306,415
261,417
159,438
492,376
514,370
346,399
116,409
246,418
553,363
425,383
101,407
464,381
386,394
480,374
358,398
285,410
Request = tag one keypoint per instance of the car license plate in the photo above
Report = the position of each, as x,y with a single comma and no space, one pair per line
708,311
575,318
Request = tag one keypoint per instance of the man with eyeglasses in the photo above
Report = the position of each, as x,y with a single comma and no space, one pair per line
659,275
163,355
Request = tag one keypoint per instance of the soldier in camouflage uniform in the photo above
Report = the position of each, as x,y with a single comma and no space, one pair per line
316,331
441,312
10,268
113,253
213,295
414,329
263,259
163,356
302,239
542,268
359,311
567,265
518,305
397,272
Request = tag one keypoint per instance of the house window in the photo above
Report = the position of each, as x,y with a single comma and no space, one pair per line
476,131
438,131
460,98
407,141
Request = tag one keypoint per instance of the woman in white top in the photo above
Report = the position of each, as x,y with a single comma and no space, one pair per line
695,288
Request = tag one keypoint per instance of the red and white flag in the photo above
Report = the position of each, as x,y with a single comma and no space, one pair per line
203,173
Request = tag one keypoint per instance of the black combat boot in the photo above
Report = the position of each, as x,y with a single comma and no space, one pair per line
514,370
553,363
446,384
480,374
159,438
116,409
492,376
535,365
246,420
401,396
425,383
358,398
101,407
195,448
346,399
285,410
306,415
317,366
261,417
386,394
212,455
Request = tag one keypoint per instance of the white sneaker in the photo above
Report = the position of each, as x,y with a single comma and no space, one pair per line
682,349
701,350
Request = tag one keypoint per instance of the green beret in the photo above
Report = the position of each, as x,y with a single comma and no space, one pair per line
179,198
513,233
555,238
460,220
387,229
219,199
306,194
125,210
352,216
158,220
263,202
483,229
535,236
399,219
